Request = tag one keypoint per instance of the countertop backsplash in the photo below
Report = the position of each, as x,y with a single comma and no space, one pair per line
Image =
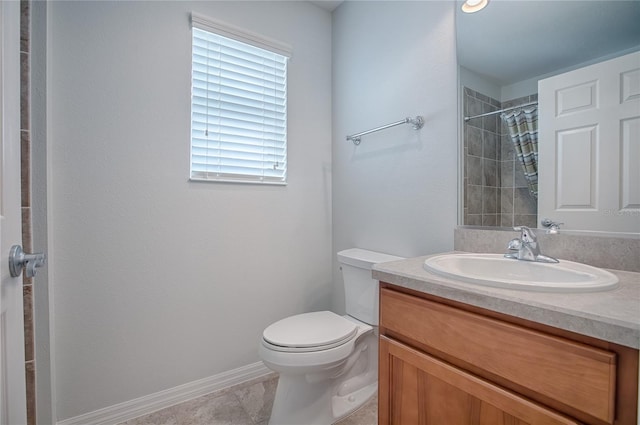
608,251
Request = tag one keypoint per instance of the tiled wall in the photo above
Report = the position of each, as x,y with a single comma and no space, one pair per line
518,206
481,161
495,191
25,133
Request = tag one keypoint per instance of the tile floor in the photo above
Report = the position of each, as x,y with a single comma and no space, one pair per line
246,404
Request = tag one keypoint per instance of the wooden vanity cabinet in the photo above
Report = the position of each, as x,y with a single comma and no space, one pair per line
447,363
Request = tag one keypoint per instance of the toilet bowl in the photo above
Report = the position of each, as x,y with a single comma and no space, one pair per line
327,363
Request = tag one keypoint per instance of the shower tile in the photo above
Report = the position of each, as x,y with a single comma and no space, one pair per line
524,99
508,104
466,190
474,170
490,219
519,179
488,145
489,172
474,107
484,98
515,102
474,199
473,220
489,200
524,202
506,148
528,220
506,220
506,174
496,145
467,102
490,123
506,201
473,136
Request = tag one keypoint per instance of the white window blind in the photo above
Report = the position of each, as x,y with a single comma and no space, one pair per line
238,110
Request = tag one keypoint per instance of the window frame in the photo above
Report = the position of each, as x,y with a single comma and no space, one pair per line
254,40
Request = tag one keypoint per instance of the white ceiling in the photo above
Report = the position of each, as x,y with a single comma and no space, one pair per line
514,40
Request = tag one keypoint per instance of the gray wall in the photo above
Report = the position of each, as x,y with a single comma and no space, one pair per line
159,281
397,191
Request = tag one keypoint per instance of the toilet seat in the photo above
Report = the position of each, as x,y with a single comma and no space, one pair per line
316,331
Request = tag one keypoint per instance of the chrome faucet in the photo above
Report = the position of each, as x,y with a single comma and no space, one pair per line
552,226
526,247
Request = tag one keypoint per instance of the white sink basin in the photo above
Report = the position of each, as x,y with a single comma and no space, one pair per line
496,270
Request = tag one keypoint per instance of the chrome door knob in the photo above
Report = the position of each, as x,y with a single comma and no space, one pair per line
18,260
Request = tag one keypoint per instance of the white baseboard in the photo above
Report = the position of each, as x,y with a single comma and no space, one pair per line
153,402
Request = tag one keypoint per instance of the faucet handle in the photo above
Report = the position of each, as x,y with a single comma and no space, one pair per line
526,234
554,227
514,244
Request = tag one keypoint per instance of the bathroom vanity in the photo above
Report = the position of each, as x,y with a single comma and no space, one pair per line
460,353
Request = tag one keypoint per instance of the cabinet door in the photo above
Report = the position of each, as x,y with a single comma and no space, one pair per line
416,388
576,379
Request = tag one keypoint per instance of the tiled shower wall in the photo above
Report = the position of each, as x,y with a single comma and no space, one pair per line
495,190
27,241
518,206
481,161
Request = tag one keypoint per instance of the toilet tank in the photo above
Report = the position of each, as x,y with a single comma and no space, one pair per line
361,292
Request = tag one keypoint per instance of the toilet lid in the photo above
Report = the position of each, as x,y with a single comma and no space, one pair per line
319,329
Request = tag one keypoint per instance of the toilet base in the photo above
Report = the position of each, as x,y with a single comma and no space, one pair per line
345,405
298,402
324,393
323,399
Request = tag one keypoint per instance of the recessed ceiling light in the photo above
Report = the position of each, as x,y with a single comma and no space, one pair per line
471,6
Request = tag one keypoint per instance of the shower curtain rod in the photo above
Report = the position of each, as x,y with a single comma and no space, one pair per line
499,111
417,122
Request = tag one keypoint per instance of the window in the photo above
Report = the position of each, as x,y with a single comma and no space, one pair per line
238,105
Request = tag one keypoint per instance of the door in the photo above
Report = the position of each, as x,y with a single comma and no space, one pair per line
416,388
589,145
12,366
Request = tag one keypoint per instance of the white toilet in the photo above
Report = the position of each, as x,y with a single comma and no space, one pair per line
328,364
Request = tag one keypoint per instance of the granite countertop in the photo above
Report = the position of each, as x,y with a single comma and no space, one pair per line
612,315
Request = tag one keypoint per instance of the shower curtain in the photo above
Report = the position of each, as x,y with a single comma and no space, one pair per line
523,129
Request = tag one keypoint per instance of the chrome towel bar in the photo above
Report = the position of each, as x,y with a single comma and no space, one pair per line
417,123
